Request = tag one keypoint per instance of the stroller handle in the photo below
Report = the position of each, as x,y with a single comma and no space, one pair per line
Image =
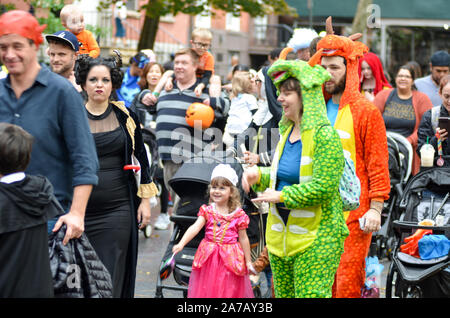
406,225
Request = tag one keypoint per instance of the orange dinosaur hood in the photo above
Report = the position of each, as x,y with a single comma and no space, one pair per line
351,50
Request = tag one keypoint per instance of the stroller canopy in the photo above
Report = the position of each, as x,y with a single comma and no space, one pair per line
195,174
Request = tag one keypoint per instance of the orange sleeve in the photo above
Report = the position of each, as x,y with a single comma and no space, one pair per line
94,49
209,62
376,155
89,44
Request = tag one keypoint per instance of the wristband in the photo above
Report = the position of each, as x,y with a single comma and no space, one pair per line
379,212
156,94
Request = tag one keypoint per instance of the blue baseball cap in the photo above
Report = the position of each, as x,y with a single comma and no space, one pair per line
65,37
440,58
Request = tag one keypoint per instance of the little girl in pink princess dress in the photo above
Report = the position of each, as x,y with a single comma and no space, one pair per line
222,261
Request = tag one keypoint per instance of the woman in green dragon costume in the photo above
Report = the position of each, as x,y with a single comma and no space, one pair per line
305,228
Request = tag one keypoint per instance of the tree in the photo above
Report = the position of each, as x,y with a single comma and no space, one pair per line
360,20
53,7
154,9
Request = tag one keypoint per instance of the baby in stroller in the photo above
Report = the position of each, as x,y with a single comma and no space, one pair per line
191,184
421,264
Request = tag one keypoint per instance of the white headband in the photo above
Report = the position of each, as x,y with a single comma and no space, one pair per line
225,170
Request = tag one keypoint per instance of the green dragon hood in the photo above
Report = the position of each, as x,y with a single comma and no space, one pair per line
311,79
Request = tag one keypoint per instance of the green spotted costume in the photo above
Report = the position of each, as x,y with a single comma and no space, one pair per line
304,253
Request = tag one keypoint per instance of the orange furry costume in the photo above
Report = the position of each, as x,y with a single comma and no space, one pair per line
363,135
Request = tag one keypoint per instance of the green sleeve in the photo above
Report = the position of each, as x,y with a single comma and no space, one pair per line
264,181
328,165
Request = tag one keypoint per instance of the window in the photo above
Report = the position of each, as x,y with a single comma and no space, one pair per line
233,23
132,5
260,24
203,20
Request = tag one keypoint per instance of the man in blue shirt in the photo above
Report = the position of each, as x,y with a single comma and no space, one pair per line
51,110
439,67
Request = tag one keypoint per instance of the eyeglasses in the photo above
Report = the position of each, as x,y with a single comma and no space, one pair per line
201,45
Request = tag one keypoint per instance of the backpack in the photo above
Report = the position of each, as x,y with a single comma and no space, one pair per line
349,185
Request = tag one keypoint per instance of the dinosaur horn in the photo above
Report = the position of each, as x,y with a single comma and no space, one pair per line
285,52
315,59
355,37
329,26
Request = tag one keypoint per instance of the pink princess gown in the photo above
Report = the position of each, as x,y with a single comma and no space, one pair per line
219,268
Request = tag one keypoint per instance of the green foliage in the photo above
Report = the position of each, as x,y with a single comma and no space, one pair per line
52,20
102,32
195,7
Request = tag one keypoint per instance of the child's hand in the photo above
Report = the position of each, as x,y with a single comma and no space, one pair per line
251,269
149,99
199,89
206,102
169,85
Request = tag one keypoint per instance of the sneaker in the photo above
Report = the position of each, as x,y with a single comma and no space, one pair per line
162,222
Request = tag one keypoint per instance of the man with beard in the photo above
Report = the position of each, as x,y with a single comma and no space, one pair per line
62,50
439,67
363,136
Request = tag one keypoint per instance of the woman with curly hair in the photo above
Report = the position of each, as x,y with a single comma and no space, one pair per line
118,206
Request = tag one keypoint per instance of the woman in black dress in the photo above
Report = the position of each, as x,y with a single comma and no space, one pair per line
117,206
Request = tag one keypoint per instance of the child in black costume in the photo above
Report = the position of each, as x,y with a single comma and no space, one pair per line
26,202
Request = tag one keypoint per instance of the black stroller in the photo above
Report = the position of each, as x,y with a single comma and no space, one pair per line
423,198
400,166
190,183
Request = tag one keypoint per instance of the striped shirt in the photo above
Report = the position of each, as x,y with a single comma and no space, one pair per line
176,140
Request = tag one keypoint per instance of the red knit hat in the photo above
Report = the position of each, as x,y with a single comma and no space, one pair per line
22,23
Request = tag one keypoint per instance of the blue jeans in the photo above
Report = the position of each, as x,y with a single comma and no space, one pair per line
51,223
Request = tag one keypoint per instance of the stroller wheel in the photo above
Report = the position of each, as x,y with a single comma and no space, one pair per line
147,231
390,246
413,292
391,280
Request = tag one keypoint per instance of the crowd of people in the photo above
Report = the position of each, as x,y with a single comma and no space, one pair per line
72,140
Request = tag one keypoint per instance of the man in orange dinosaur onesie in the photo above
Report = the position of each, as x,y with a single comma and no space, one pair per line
363,136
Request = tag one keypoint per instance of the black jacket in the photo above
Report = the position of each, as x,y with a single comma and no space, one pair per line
77,271
426,130
25,207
